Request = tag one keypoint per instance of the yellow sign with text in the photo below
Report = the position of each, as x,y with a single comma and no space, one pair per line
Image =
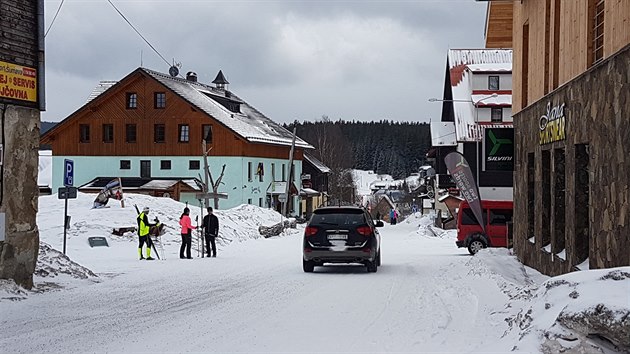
18,82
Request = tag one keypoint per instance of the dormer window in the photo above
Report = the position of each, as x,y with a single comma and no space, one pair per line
132,100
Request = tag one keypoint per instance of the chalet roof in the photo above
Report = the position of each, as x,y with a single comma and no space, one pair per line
220,79
249,123
462,64
138,183
316,163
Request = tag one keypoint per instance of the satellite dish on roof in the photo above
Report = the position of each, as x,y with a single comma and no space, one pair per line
173,71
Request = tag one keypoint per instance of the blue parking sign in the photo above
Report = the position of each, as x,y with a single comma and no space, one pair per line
68,174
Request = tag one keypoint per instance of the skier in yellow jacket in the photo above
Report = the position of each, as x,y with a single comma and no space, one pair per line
143,231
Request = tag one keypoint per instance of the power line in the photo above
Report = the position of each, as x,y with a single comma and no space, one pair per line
53,20
141,36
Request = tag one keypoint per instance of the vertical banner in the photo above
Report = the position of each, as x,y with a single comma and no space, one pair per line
460,171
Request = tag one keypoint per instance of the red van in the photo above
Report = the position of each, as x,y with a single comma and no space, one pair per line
496,214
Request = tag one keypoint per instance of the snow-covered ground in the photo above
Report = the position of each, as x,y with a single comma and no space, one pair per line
428,296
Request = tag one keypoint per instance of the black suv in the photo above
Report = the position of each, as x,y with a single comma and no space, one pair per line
341,234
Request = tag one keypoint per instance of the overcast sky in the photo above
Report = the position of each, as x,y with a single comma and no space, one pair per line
363,60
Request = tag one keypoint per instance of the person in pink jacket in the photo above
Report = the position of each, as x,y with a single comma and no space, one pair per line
187,228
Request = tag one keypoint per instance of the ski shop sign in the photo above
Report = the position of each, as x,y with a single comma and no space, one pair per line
552,125
18,82
499,149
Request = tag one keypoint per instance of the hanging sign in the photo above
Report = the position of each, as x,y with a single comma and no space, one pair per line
18,82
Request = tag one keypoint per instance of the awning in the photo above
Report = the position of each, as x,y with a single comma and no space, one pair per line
276,188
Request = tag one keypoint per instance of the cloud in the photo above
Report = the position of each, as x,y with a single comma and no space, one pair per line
361,60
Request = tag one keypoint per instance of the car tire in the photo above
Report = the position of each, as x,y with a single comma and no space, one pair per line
378,259
308,266
372,267
476,243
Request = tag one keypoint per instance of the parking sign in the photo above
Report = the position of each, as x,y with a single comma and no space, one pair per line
68,174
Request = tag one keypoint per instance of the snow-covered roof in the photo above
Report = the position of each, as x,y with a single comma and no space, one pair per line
249,123
443,134
100,88
491,67
499,100
316,163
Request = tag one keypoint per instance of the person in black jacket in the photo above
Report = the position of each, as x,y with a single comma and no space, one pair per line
211,231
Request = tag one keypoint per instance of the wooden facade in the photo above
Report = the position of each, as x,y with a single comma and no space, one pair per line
553,42
110,108
499,24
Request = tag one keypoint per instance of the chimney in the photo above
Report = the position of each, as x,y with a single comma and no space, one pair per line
191,76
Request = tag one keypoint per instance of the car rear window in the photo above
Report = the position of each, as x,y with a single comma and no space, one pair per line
350,217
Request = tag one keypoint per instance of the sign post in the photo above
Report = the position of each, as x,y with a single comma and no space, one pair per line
68,181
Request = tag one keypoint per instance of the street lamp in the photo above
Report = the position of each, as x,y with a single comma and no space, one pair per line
476,105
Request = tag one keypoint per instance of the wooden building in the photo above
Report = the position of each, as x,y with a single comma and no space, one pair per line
314,192
572,128
151,125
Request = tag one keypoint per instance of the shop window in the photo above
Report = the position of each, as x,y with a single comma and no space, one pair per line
496,115
159,100
125,164
84,133
546,199
194,165
531,194
183,133
493,83
131,133
132,100
559,202
165,164
582,203
108,133
159,133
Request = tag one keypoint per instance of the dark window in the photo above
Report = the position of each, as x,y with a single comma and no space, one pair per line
193,165
260,202
159,133
108,133
131,133
531,195
525,66
546,198
84,133
125,164
184,133
493,83
284,176
207,133
165,164
496,115
249,201
468,218
596,9
132,100
500,216
338,218
159,100
249,171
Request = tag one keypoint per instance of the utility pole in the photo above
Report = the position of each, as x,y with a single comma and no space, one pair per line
286,193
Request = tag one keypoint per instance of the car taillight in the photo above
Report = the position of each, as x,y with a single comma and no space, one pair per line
364,230
310,231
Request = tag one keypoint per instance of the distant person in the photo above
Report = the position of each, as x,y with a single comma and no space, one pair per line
392,216
378,215
143,232
187,228
210,226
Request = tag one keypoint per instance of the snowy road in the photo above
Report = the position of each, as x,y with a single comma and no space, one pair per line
255,298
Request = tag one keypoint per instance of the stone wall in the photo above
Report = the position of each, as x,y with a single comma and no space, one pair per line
596,153
18,252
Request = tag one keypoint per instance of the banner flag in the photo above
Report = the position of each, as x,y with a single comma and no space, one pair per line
460,171
113,189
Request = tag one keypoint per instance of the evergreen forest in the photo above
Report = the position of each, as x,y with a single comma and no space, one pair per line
385,147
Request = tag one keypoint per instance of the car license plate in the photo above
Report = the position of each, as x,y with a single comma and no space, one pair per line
338,237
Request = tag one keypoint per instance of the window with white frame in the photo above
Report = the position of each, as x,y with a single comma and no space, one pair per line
493,82
496,115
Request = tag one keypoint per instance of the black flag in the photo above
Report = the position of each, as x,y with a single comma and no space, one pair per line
460,171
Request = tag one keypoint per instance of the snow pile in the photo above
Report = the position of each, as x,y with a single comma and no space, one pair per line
571,311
